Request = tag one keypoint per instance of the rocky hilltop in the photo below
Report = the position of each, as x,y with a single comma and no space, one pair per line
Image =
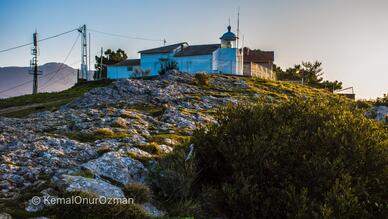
110,136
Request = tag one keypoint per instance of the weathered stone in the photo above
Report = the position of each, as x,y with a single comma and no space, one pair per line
152,210
120,169
95,186
4,215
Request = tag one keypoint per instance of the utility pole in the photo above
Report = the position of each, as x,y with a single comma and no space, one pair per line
89,53
84,53
100,73
34,64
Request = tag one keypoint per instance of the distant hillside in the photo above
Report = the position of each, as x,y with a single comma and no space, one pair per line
48,81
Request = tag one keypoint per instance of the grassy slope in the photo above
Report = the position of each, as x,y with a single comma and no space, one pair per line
51,101
47,101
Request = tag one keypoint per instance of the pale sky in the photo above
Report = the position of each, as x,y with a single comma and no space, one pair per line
350,37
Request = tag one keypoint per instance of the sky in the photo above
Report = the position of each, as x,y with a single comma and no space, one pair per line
350,37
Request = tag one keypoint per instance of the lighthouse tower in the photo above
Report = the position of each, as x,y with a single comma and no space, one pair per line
228,40
226,58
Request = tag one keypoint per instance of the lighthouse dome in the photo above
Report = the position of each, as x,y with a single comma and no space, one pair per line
228,36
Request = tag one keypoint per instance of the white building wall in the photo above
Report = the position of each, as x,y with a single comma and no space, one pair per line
194,64
225,61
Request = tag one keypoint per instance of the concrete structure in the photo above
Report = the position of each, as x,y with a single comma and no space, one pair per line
258,63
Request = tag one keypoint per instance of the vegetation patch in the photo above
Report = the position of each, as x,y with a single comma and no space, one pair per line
150,109
202,79
130,115
120,123
100,133
47,101
139,192
172,183
143,159
298,158
84,173
96,210
152,148
102,150
160,138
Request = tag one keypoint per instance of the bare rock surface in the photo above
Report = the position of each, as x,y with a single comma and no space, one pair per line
105,131
119,169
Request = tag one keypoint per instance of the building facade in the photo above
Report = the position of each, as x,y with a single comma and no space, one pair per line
258,63
222,58
124,69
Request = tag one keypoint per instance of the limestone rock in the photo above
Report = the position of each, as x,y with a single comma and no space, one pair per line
120,169
95,186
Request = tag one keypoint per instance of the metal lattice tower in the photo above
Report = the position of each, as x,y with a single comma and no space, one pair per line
84,53
34,64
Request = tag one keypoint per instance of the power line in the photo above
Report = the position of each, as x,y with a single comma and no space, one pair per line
55,72
11,88
63,77
62,64
47,38
125,36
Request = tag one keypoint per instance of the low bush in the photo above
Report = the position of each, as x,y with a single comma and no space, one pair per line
152,148
100,133
202,79
120,123
172,180
104,132
104,149
303,158
139,192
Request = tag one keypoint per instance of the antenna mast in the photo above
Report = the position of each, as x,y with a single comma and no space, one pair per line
240,62
84,53
90,44
34,63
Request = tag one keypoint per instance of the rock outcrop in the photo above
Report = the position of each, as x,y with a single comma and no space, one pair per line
103,133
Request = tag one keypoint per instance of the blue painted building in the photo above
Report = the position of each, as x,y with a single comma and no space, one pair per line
124,69
210,58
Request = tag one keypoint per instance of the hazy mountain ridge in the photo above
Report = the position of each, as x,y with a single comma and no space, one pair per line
54,77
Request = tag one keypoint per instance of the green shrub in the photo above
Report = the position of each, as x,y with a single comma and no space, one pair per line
172,182
84,173
303,158
129,211
104,132
152,148
120,123
202,79
100,133
102,150
139,192
382,101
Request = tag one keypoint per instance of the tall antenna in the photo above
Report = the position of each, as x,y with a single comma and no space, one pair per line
90,45
34,63
238,24
240,62
84,53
